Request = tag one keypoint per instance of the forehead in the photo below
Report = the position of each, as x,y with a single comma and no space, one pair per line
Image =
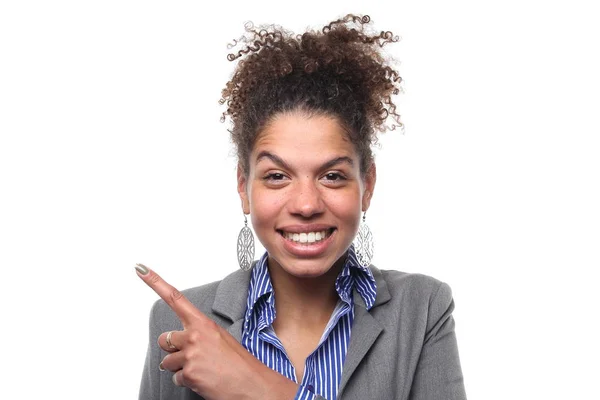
297,135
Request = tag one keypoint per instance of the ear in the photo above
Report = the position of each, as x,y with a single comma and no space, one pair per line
242,187
370,178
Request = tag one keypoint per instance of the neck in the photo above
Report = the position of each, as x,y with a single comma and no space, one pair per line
306,302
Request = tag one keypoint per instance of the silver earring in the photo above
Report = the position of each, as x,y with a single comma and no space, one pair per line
245,247
363,244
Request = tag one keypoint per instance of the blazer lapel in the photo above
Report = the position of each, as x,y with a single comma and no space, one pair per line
365,329
230,301
236,329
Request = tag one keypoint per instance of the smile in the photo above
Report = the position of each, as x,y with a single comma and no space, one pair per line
307,237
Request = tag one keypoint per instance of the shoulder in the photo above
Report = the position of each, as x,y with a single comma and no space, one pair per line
412,294
399,283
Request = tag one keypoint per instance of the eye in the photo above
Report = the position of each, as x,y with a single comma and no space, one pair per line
275,178
334,177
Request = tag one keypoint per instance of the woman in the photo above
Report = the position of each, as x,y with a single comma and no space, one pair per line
311,319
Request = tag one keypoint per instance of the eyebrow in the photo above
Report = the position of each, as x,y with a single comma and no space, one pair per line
338,160
279,161
276,159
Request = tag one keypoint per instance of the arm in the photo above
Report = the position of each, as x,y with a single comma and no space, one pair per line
438,375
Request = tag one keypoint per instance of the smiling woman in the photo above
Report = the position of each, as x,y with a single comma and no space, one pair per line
311,319
304,182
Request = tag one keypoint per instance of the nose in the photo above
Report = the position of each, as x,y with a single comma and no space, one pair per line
306,199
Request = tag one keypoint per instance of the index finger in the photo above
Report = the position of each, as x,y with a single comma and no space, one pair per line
184,309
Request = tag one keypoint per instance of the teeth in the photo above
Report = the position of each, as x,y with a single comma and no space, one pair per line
306,237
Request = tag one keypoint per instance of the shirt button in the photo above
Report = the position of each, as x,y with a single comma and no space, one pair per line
310,387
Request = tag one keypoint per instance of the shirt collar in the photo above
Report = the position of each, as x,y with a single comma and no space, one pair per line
352,276
260,283
355,276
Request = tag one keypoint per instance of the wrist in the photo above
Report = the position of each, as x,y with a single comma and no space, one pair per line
275,386
268,384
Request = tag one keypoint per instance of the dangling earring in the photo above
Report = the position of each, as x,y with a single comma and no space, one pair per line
363,244
245,247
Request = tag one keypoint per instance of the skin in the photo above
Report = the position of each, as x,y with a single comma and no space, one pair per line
304,175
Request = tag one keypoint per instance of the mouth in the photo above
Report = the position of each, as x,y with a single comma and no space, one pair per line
307,238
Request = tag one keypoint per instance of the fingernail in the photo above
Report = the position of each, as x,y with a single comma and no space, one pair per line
141,268
160,366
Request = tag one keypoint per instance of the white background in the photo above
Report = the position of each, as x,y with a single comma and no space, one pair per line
112,153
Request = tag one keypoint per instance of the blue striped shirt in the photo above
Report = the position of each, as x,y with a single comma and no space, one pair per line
323,367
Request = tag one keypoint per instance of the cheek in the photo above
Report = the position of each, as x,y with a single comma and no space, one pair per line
264,206
345,204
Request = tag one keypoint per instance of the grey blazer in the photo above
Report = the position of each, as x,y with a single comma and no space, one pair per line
404,348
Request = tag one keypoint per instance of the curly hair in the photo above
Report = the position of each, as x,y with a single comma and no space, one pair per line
337,71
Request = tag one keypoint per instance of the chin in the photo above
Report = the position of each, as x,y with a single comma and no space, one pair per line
308,268
307,272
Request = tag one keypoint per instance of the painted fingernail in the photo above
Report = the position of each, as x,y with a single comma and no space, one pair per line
160,367
141,268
